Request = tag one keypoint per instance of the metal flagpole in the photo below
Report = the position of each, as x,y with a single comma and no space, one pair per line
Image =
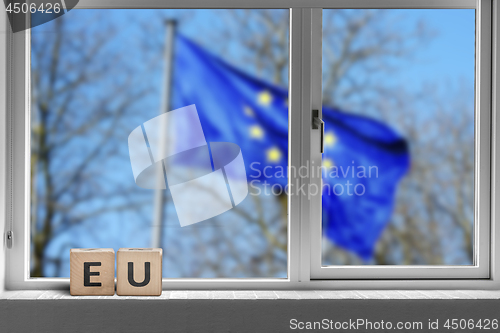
159,199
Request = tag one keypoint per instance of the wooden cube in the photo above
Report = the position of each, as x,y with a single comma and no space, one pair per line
92,272
139,272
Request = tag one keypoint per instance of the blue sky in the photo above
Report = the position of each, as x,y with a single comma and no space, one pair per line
450,53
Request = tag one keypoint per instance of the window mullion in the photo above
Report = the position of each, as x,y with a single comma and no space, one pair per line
294,158
315,191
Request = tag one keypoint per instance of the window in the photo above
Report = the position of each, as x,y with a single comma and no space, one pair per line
91,199
427,98
411,113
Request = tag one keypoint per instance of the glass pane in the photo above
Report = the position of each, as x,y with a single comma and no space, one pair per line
398,167
113,165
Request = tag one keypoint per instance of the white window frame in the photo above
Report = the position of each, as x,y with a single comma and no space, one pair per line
304,266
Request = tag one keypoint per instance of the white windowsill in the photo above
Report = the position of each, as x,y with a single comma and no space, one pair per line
265,294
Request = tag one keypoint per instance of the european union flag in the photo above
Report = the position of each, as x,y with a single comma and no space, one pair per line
364,160
236,107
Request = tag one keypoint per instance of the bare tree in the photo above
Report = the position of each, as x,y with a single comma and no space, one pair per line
81,92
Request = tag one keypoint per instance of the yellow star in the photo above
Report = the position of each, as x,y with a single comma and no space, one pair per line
265,98
273,154
256,132
330,139
328,163
248,111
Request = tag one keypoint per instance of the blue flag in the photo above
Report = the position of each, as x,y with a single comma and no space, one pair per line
364,161
363,158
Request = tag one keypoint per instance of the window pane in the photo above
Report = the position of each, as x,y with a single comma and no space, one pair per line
102,157
398,91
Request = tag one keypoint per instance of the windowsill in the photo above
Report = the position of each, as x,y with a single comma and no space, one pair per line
237,311
264,294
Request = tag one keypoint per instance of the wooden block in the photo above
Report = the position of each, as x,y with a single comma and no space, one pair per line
139,272
92,272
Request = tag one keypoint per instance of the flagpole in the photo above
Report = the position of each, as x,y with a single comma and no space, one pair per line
160,199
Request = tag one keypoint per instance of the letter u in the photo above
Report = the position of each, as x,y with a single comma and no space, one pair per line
147,274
